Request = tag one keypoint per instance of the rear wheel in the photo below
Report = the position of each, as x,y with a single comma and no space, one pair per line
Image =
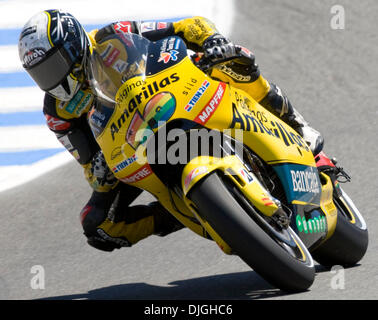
277,254
349,242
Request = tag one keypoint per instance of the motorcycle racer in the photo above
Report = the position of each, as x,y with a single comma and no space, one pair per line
54,49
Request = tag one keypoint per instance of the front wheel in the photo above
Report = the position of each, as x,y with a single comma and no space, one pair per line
279,256
349,242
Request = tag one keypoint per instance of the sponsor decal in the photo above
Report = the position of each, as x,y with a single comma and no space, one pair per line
197,95
234,75
305,181
71,106
248,121
247,177
207,112
136,124
106,52
65,141
123,27
142,173
122,241
116,153
161,25
168,56
301,182
128,88
33,56
169,50
56,124
147,27
313,225
157,111
109,59
146,93
84,104
79,103
189,86
194,173
98,117
125,163
247,52
120,66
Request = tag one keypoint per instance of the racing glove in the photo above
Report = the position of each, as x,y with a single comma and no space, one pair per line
99,175
218,48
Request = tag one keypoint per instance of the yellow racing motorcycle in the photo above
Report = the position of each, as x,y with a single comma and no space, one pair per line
219,162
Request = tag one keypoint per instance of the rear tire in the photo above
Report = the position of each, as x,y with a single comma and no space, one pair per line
349,242
274,261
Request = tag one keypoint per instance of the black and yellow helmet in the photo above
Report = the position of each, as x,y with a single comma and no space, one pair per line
53,48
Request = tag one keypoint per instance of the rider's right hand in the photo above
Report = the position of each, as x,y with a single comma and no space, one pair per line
217,48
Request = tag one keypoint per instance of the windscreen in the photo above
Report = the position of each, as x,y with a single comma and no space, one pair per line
116,59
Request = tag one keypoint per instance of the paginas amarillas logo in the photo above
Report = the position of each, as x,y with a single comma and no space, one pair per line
158,110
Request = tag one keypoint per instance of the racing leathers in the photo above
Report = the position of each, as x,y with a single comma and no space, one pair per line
108,220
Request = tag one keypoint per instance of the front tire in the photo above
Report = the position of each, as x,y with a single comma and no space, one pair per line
289,268
349,242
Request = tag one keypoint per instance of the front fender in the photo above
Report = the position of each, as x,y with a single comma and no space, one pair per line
234,169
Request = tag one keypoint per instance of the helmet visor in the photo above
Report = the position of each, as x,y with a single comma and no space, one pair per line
52,70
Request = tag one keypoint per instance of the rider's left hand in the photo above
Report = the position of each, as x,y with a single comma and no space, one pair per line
99,175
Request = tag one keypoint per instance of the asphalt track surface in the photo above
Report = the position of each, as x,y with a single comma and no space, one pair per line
329,75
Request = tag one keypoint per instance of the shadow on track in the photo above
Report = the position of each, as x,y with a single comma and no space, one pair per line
235,286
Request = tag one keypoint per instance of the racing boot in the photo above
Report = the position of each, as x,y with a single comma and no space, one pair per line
312,137
278,103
